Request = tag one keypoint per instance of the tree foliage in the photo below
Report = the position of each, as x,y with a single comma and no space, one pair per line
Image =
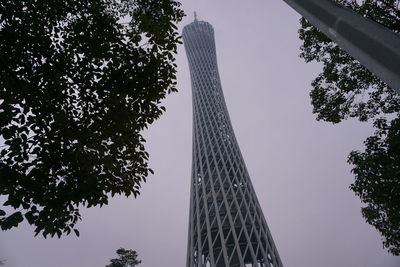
77,86
127,258
377,183
345,89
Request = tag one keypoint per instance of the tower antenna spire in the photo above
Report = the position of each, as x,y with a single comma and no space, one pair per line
195,16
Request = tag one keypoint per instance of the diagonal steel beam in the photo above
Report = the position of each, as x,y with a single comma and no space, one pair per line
373,45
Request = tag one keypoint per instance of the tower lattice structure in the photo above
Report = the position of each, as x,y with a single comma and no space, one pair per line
226,224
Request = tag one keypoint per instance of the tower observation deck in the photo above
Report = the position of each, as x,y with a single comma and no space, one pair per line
226,225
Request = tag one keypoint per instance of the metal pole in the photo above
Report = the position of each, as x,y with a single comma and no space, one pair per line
373,45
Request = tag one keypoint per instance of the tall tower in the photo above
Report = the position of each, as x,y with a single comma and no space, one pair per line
226,225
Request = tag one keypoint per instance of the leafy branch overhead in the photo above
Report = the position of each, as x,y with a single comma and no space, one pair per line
77,86
345,89
377,172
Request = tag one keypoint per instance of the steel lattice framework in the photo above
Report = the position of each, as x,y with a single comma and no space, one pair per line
226,224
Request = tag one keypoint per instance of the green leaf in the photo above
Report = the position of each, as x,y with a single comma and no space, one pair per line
76,232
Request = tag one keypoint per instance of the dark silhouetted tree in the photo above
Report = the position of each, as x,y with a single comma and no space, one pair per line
127,258
346,89
79,81
377,183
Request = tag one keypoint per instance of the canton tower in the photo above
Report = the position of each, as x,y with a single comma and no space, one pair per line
226,225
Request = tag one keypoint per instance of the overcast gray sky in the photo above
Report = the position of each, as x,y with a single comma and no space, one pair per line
297,165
